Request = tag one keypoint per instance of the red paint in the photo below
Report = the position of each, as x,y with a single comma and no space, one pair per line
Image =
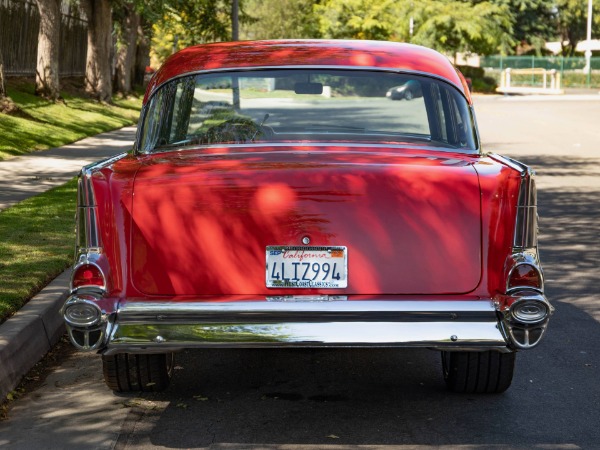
195,224
157,244
248,54
411,222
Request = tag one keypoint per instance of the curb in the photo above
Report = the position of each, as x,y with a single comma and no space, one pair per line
28,335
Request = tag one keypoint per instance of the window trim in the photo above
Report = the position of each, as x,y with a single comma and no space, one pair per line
156,89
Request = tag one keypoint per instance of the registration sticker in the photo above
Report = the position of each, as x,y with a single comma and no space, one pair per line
307,267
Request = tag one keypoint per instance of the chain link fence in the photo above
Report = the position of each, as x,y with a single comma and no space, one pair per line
573,71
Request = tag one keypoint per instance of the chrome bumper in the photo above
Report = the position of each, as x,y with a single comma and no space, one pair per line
157,327
151,327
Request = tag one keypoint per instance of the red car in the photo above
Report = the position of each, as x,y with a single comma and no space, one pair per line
275,198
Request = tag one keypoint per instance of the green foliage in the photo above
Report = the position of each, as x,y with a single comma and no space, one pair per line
280,19
358,19
534,22
191,22
572,22
479,82
449,26
453,26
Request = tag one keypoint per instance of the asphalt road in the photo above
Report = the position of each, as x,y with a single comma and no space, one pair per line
383,398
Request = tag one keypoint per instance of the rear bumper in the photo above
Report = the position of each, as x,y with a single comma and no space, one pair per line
156,327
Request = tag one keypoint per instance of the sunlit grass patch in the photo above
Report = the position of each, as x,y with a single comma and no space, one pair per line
36,244
39,124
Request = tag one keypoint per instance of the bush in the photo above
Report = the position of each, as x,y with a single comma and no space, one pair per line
479,82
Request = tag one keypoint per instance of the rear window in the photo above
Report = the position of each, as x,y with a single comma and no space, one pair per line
306,106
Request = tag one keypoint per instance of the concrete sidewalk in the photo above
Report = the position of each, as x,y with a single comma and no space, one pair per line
25,176
31,332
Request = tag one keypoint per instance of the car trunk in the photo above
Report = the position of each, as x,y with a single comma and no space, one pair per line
410,221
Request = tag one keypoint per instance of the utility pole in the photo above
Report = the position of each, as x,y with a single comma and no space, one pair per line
235,36
588,50
235,22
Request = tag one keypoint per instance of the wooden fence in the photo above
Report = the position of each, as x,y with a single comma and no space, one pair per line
19,26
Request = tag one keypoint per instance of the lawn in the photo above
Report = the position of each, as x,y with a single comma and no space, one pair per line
37,242
39,124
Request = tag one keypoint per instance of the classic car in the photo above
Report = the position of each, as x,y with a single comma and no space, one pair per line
275,198
409,90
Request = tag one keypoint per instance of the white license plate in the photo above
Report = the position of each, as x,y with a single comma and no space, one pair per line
307,267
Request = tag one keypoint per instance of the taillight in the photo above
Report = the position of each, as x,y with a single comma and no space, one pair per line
88,275
524,275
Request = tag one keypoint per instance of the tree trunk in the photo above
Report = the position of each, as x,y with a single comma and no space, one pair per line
126,48
142,55
46,74
98,82
2,88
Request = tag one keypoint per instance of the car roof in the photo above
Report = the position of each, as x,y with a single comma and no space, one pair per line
308,53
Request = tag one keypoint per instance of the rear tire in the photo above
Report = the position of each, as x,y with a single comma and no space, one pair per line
478,372
408,95
126,372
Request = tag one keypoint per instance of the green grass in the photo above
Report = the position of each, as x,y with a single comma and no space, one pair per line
36,244
40,124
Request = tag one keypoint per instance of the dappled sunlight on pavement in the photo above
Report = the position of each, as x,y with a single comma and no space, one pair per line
72,409
561,142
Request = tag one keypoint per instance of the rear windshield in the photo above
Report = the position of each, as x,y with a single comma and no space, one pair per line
316,105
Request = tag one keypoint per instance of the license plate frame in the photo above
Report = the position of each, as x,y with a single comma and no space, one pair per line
294,267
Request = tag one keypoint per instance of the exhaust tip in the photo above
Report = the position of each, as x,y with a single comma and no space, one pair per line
530,310
526,320
82,313
85,321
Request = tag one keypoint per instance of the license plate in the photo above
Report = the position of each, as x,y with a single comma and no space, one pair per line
307,267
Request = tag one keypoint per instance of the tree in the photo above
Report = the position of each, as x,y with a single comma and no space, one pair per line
280,19
2,88
449,26
192,22
98,81
46,74
358,19
572,23
127,21
142,53
534,23
453,26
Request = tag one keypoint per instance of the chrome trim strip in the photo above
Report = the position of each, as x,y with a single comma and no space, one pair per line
88,236
306,144
93,167
526,224
512,163
133,338
86,217
130,310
